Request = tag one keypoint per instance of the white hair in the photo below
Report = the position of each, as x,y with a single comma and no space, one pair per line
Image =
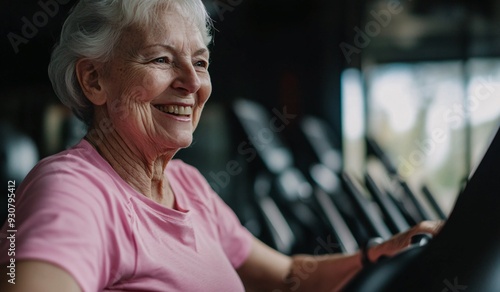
93,29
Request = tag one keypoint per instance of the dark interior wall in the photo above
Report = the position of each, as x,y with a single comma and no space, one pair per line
280,53
29,29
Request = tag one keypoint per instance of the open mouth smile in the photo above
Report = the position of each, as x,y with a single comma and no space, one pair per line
176,110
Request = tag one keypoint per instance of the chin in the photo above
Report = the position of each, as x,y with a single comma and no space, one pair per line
185,144
180,142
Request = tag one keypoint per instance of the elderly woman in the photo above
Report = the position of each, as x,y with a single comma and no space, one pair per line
115,212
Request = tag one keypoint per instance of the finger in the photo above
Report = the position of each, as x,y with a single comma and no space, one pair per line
402,240
431,227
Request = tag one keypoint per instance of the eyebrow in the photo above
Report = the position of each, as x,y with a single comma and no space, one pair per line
198,52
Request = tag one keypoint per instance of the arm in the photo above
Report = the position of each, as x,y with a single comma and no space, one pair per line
267,270
38,276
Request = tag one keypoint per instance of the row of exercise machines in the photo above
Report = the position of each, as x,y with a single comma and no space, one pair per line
316,207
306,198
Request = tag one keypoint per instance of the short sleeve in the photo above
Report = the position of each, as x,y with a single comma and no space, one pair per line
59,220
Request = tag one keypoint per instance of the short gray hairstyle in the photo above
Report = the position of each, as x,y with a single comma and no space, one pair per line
92,30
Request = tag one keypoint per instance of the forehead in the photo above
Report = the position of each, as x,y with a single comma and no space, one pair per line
169,26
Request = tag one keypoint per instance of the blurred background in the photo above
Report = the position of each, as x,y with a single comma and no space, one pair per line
347,97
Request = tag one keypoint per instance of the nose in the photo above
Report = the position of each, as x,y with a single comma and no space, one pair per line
187,80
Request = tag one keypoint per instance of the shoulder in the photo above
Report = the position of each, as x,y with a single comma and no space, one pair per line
74,186
70,202
78,159
186,174
74,172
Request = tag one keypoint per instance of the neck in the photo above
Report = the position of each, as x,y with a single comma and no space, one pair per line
143,172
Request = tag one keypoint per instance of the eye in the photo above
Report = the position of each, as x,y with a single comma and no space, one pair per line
161,60
201,63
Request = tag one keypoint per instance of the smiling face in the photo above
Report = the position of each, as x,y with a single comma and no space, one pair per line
157,83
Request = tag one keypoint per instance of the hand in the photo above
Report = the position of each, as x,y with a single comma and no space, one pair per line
402,240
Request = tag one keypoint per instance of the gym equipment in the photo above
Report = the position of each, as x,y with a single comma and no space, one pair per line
465,255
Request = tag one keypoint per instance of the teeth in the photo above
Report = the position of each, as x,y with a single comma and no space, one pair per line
175,109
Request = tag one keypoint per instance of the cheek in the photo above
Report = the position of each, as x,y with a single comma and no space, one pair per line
203,95
144,89
135,95
205,91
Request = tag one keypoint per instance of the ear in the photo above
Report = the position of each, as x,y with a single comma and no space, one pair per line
89,76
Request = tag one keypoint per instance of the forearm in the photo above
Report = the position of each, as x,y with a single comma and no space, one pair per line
267,270
322,273
332,272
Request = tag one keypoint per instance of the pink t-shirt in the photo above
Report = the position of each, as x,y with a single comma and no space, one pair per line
74,211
